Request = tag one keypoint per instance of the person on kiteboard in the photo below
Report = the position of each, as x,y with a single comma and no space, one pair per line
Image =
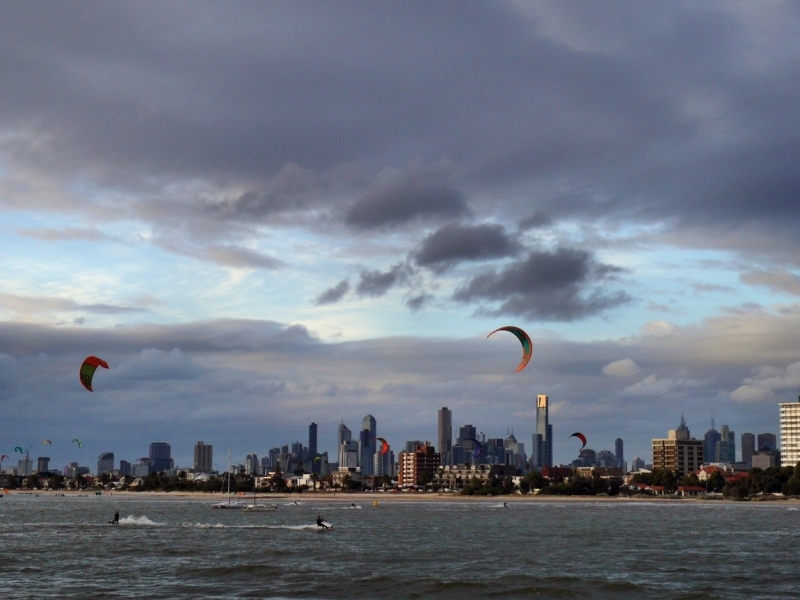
320,520
116,518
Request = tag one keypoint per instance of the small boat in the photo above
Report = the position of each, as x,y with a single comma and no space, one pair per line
229,505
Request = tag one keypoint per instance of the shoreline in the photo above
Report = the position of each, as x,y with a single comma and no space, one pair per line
389,497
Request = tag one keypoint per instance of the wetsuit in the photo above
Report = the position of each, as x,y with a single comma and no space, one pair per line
116,518
319,522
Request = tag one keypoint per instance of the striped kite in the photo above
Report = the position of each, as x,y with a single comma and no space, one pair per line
88,368
524,339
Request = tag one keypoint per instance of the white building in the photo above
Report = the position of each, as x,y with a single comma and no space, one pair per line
790,433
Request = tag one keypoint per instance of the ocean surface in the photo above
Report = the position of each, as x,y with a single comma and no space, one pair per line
176,548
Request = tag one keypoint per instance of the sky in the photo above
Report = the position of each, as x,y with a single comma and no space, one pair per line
263,214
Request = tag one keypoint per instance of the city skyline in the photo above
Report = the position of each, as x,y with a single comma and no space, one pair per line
280,227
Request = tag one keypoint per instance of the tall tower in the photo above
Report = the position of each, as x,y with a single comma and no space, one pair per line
343,435
367,444
618,452
542,452
203,457
446,435
790,433
312,440
748,447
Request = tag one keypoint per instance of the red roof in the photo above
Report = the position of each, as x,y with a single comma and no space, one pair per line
691,488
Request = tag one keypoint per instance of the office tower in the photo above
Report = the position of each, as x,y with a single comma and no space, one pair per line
766,441
43,464
725,451
312,448
637,465
618,452
710,443
251,464
367,441
124,468
349,454
25,466
446,435
790,433
203,457
265,464
542,450
298,449
105,463
274,458
748,447
678,452
343,435
160,457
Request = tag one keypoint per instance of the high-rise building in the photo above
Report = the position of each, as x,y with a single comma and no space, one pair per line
105,463
312,446
348,454
265,465
367,440
725,451
678,452
637,465
203,457
25,466
619,453
542,450
766,441
466,440
160,457
417,467
748,447
43,464
412,445
710,443
790,433
343,434
124,468
251,464
446,435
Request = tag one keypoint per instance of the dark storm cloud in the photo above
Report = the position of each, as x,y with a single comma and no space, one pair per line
376,283
401,197
454,243
682,114
535,221
547,286
334,294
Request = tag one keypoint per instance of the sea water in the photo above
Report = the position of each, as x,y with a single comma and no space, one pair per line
53,547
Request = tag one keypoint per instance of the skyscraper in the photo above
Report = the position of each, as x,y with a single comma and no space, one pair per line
105,463
343,434
748,447
367,444
542,450
203,457
725,451
160,457
312,448
619,453
251,464
42,464
767,441
710,444
466,437
790,433
446,435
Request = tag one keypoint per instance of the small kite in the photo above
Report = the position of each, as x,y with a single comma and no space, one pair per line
80,443
581,437
527,346
318,458
47,443
4,457
88,368
385,447
478,450
19,449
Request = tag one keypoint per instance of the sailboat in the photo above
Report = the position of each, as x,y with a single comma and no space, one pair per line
229,505
255,507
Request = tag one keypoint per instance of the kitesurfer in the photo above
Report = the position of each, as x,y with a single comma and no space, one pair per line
505,504
352,504
116,518
320,520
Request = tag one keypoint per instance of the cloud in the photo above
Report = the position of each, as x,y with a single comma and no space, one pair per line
68,233
774,279
654,386
397,198
547,286
419,301
376,283
454,243
625,367
227,256
766,381
32,305
334,294
536,221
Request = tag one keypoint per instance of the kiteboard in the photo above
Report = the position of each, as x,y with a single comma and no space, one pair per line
326,526
113,523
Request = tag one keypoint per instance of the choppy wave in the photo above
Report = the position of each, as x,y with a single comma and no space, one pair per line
143,520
